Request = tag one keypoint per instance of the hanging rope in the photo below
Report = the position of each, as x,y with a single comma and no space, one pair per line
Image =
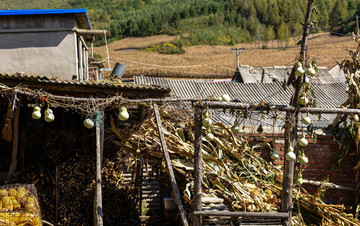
107,50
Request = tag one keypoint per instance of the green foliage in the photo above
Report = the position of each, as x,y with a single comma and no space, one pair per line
252,20
165,48
97,56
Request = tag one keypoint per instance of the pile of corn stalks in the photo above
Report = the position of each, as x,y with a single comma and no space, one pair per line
232,170
349,132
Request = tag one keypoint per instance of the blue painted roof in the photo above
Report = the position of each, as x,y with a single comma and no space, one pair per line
20,12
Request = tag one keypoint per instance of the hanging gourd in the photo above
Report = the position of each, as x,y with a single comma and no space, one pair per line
299,180
303,160
299,71
49,116
356,118
303,142
303,99
225,97
218,98
306,120
206,122
123,114
36,112
274,154
235,129
290,156
209,136
310,71
307,79
88,122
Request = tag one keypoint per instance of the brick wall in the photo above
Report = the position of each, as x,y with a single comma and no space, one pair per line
322,154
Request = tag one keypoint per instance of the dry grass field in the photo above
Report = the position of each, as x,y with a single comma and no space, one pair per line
218,61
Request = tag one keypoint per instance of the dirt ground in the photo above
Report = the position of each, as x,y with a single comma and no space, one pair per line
218,61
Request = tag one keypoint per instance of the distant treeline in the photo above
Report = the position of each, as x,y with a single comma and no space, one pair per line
214,22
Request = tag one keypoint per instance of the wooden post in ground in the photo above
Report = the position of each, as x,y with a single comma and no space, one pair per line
15,140
169,167
98,214
289,167
197,166
291,126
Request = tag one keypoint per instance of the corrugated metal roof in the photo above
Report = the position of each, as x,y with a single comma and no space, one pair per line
80,13
328,95
45,80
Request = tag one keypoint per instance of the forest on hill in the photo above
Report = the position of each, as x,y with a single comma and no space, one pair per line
210,22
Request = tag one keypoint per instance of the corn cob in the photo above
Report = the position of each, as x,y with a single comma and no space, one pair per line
12,192
18,217
3,193
7,204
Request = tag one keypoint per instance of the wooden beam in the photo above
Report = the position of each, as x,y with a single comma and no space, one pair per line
328,185
98,214
90,32
15,139
169,167
273,215
209,104
197,165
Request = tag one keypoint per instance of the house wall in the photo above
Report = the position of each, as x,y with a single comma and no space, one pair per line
39,44
41,53
322,154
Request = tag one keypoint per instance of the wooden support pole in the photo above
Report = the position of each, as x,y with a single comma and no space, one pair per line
169,167
289,167
15,140
56,194
242,214
291,126
98,215
197,165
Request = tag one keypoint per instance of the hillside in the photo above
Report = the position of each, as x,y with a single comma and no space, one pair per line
208,22
218,61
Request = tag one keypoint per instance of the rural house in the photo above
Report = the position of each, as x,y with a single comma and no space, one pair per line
47,42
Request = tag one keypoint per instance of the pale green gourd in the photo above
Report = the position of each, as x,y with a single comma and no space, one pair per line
88,123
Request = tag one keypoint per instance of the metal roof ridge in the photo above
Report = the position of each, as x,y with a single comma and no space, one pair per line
20,12
41,11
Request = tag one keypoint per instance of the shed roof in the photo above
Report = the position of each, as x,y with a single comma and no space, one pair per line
80,14
84,89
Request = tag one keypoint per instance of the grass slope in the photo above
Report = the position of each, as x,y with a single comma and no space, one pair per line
219,61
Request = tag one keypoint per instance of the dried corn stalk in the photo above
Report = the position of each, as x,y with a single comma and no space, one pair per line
232,170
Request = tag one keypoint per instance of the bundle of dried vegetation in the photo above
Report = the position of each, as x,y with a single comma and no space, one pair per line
232,170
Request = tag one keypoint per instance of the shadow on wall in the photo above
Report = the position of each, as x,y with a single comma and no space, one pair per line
31,40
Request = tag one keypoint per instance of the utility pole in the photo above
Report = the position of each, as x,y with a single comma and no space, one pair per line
237,52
